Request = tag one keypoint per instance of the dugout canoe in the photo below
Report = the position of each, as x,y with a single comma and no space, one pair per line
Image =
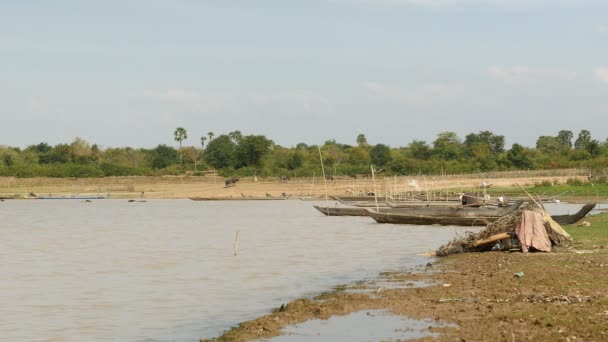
571,219
237,198
336,211
443,216
70,198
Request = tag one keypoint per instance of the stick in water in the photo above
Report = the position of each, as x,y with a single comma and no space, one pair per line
236,244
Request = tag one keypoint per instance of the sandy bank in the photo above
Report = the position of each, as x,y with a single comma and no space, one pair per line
213,186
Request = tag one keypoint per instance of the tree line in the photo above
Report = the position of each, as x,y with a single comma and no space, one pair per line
235,154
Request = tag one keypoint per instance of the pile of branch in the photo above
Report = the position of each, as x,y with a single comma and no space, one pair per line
500,230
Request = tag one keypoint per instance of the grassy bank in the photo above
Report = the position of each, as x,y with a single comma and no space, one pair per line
562,295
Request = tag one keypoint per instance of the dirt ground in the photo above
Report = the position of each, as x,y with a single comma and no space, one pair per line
562,296
213,186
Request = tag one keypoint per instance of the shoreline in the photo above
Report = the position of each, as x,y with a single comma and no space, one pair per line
561,296
182,187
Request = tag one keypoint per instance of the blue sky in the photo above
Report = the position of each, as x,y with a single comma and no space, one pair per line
126,73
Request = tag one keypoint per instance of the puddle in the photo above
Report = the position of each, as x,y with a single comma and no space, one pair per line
373,287
362,326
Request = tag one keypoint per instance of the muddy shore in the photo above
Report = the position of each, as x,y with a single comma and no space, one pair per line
562,296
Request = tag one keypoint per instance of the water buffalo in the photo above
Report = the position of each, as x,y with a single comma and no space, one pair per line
230,182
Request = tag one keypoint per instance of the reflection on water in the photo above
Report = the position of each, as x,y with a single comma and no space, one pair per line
165,270
362,326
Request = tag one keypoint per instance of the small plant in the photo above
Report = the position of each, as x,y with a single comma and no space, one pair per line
575,182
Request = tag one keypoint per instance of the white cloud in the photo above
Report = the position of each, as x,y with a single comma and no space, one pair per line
527,74
601,74
423,95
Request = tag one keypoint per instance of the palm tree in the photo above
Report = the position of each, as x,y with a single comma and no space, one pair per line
211,135
180,135
203,138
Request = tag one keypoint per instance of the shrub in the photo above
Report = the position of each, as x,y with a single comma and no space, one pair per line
575,182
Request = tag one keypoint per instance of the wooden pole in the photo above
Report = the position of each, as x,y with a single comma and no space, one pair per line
375,192
426,185
324,180
236,244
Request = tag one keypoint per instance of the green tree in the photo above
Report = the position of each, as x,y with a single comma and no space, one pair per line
547,144
220,152
419,149
60,153
163,156
583,140
495,142
380,155
295,161
211,135
519,158
358,156
180,135
251,149
564,139
236,136
361,140
43,147
447,146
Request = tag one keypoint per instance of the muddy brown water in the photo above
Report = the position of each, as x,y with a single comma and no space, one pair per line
164,270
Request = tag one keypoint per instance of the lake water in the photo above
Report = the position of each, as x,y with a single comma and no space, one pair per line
165,270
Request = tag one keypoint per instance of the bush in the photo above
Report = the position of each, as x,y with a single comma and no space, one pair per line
120,170
544,183
575,182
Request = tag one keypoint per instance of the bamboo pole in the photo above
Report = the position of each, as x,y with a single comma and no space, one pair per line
236,244
375,192
324,180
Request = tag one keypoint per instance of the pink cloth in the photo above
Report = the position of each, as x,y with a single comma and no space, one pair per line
532,233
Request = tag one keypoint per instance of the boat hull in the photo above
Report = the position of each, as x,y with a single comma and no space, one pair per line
329,211
571,219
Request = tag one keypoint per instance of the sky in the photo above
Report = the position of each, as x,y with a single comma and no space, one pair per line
128,72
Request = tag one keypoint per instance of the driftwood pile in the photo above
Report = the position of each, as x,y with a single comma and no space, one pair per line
503,230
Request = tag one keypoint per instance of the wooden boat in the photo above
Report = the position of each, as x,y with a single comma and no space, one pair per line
463,216
363,203
312,198
237,198
571,219
417,204
70,197
435,197
416,210
356,198
337,211
370,202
